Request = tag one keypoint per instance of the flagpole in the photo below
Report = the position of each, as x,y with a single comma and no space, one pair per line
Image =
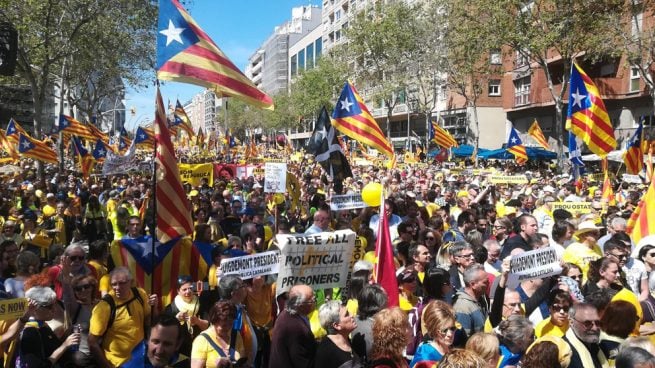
227,151
153,231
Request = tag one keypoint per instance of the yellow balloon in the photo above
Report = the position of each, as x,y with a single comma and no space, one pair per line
371,194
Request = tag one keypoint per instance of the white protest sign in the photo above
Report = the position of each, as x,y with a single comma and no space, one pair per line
118,164
347,202
534,264
320,260
275,177
634,179
252,265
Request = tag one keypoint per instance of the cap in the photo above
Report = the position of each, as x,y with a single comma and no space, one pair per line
362,266
50,195
548,188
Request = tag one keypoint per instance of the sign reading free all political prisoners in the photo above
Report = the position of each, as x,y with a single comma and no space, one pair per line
534,264
319,260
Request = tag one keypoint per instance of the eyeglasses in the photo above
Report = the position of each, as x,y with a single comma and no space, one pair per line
310,301
512,305
560,308
497,227
448,329
76,258
619,256
119,283
588,324
82,287
470,255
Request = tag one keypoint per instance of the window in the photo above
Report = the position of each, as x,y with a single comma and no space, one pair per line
337,15
301,60
495,57
634,79
318,47
521,59
310,55
337,35
522,91
494,87
294,65
637,24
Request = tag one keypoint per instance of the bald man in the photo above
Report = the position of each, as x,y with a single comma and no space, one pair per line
293,343
321,223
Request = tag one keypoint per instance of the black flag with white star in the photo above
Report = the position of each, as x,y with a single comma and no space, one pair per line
325,146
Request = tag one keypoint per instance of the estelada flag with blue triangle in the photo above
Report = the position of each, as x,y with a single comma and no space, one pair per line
515,146
85,159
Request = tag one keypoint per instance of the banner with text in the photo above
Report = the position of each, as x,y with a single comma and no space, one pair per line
253,265
534,264
347,202
275,177
319,260
194,173
120,164
12,308
573,207
508,179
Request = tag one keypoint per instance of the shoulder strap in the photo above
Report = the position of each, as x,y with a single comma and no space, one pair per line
77,313
112,311
137,295
218,348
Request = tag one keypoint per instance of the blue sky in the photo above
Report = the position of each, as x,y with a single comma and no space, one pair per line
238,27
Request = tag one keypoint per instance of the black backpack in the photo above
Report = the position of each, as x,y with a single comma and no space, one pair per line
113,307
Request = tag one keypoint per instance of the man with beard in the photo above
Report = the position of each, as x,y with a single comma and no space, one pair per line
583,336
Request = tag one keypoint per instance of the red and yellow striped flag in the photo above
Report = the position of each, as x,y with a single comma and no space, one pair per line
34,148
607,196
538,135
9,147
642,221
69,125
441,136
173,208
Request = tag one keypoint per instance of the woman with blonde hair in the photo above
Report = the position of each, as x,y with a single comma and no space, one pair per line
485,345
460,358
439,318
391,331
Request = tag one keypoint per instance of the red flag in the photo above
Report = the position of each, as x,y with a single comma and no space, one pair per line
173,208
385,271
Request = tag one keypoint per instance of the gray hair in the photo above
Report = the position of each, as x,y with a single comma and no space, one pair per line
458,247
25,259
618,221
471,273
41,295
121,271
328,315
228,285
295,300
72,247
235,239
633,356
489,242
514,329
575,307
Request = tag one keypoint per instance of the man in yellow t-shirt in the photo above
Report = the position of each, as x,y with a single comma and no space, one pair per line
132,314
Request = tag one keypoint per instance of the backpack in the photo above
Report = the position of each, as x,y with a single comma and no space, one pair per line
113,307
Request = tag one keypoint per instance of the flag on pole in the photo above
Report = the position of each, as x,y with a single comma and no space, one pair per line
173,208
13,131
352,118
587,116
634,156
186,54
34,148
69,125
649,165
385,271
324,144
515,146
104,137
181,119
607,196
100,150
441,137
642,220
85,159
144,137
574,152
200,138
9,147
538,135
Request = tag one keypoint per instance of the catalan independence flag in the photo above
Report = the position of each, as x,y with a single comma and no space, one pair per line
634,156
173,208
100,150
85,159
441,136
144,137
515,146
69,125
124,141
535,132
34,148
186,54
13,131
181,119
642,220
97,133
587,116
352,118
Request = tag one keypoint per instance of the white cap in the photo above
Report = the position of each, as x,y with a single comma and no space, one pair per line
548,188
50,195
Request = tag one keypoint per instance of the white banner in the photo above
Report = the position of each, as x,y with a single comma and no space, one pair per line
275,177
634,179
321,260
347,202
535,264
119,164
253,265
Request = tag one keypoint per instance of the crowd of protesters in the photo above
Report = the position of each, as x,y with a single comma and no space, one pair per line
454,234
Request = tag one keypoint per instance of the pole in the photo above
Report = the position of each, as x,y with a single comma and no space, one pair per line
61,112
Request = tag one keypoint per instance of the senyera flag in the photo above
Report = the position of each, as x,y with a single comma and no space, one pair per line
186,54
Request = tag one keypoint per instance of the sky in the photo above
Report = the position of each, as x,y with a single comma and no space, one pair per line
238,27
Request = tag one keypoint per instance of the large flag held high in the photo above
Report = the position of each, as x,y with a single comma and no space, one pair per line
385,271
181,119
324,144
441,136
173,208
587,116
352,118
69,125
186,54
36,149
538,135
515,146
144,136
634,156
85,159
642,220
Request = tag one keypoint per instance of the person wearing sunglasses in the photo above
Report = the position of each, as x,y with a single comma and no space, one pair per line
441,326
559,303
73,263
583,337
80,297
186,308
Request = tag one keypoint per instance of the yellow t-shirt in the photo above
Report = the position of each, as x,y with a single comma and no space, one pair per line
126,331
546,328
580,255
260,305
406,304
202,349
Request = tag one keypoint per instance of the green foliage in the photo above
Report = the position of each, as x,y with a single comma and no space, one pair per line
319,86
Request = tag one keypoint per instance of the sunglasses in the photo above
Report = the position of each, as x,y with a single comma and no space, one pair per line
588,324
82,287
76,258
448,329
560,308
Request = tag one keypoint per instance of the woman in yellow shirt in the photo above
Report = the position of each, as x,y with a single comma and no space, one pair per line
212,347
559,303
